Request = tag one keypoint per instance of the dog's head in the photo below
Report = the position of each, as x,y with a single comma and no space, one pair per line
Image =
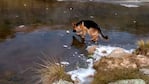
77,27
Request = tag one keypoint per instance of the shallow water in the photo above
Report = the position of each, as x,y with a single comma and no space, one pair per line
34,29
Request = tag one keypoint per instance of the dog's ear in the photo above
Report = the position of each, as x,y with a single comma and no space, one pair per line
82,24
73,24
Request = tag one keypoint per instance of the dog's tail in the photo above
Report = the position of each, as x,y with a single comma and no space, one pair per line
103,36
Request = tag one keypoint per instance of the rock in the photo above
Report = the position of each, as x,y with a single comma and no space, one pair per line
119,52
119,63
91,49
142,60
120,59
62,82
129,81
116,62
145,71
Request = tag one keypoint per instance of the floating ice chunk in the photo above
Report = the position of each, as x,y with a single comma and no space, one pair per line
91,16
67,31
65,63
65,46
21,26
70,8
76,52
81,54
134,21
129,5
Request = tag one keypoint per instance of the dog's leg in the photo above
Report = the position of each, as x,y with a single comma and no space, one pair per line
83,34
79,33
84,31
94,35
94,38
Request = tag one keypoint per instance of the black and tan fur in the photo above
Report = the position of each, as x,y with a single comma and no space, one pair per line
84,27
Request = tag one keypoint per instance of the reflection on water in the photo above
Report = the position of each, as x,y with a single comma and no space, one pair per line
29,27
109,16
79,43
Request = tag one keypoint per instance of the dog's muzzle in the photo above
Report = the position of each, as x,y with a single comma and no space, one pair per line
74,30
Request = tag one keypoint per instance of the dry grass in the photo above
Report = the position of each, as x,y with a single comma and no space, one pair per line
50,72
143,48
143,44
109,69
104,77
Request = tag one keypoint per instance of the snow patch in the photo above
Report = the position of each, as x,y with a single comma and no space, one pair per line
108,49
81,74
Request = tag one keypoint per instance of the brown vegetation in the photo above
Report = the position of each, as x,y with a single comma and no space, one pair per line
104,77
143,48
120,65
52,71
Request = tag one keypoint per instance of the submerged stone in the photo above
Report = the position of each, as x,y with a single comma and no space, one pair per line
129,81
91,49
145,71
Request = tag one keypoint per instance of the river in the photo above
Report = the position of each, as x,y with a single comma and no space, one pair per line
31,30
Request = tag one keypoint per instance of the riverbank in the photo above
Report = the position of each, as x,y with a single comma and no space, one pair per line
114,63
111,65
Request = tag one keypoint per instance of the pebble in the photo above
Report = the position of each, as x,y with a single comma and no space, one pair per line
65,46
67,31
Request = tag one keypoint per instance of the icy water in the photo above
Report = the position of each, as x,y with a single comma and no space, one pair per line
31,30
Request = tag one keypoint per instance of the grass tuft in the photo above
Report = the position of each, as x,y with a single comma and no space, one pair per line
51,71
143,48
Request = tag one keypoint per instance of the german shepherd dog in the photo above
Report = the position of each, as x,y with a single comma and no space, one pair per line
84,27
